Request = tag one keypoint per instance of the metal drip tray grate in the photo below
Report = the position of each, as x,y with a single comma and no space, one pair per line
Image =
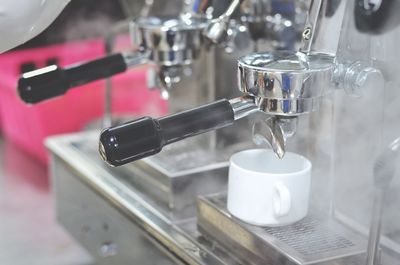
192,155
317,239
311,237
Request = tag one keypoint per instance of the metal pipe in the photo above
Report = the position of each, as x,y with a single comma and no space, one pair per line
384,170
146,8
310,26
375,229
232,7
323,25
109,47
216,31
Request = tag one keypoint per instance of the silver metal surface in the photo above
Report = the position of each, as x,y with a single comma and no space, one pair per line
373,251
172,41
324,16
270,131
339,139
317,239
216,31
273,132
364,125
175,43
132,60
106,233
158,193
243,106
286,83
109,39
384,171
29,233
311,25
89,196
264,23
175,177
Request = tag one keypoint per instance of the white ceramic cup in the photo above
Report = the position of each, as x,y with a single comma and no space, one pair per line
267,191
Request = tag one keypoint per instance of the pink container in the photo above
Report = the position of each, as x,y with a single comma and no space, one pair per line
28,126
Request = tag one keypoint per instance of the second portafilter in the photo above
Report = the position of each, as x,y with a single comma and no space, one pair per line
168,42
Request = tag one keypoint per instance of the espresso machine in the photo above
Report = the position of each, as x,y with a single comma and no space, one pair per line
184,52
333,99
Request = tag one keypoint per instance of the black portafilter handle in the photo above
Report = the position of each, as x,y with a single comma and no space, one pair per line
53,81
144,137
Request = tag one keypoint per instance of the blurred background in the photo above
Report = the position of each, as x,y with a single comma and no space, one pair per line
28,230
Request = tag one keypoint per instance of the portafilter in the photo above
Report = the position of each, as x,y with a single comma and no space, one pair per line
282,84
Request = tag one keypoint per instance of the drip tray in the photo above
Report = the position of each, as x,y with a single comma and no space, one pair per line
316,239
173,178
181,172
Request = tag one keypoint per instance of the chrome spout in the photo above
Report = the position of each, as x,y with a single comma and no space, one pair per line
273,132
216,31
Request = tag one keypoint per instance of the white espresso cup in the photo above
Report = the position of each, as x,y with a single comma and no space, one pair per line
267,191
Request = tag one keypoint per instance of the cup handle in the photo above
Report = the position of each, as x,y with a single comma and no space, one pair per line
281,200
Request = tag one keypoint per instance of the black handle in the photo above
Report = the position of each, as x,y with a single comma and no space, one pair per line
147,136
53,81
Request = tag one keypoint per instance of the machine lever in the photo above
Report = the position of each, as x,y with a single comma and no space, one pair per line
147,136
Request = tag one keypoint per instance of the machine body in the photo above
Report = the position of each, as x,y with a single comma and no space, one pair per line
334,100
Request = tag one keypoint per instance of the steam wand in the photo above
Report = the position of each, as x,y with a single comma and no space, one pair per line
384,170
109,40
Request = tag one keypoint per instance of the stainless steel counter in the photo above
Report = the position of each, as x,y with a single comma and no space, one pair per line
119,224
114,221
29,233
